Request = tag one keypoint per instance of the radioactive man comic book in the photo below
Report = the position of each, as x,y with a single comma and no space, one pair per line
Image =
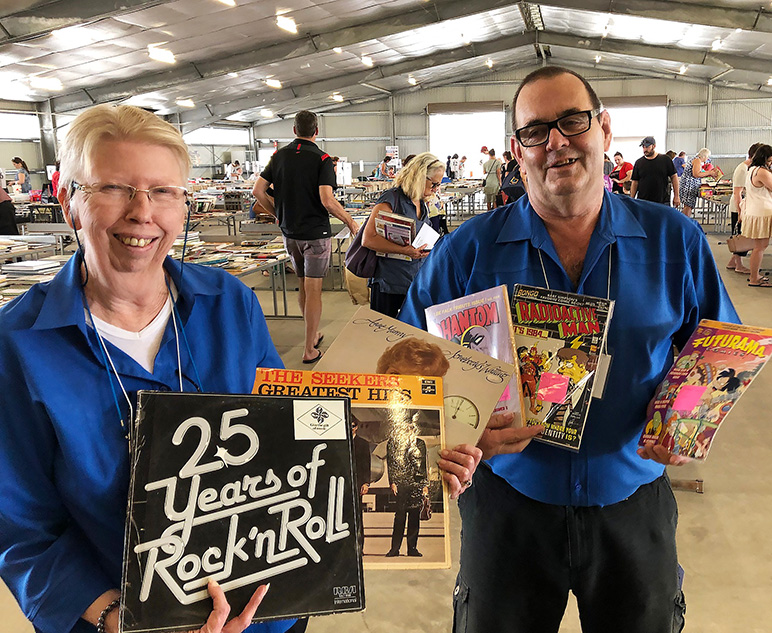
559,337
713,370
480,321
398,424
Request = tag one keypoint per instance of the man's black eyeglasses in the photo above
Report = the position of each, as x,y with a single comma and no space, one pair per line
569,125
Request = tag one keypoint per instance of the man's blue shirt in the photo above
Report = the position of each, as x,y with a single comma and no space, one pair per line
64,461
657,266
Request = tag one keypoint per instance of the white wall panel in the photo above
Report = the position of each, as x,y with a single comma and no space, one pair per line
686,117
360,125
756,113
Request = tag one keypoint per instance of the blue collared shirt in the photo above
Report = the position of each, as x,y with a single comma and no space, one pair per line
64,462
663,279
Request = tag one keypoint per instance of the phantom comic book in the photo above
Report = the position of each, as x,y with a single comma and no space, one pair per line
713,370
480,321
244,490
398,426
559,338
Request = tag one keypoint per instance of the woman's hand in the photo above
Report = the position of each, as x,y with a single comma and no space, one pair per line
501,437
458,466
417,252
217,618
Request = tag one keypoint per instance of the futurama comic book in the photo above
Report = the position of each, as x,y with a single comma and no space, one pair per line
713,370
559,337
480,321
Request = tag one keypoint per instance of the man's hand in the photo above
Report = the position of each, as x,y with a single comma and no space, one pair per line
458,466
500,437
394,489
661,455
364,489
217,619
353,227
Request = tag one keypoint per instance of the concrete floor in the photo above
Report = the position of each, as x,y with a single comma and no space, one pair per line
723,537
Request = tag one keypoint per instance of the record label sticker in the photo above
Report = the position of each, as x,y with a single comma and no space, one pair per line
316,420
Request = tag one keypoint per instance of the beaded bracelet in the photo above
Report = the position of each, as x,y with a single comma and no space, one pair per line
105,612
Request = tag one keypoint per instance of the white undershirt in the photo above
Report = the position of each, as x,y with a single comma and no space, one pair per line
142,346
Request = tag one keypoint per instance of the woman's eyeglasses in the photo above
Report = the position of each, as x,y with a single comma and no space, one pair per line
435,185
163,196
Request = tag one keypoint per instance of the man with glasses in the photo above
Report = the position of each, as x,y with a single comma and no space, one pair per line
540,521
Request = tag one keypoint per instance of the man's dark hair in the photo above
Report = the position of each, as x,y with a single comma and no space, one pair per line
386,159
549,72
491,152
761,156
305,123
618,154
752,149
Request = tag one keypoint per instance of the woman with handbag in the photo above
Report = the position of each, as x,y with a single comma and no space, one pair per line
415,183
757,217
492,181
735,205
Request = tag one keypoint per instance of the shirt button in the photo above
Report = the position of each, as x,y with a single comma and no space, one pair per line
456,590
578,487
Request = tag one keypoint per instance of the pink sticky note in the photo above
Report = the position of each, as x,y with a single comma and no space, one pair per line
688,397
505,395
553,387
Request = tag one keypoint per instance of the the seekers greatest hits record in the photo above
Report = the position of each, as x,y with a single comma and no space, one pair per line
244,490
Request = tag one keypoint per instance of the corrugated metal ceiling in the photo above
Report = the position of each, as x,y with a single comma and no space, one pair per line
224,54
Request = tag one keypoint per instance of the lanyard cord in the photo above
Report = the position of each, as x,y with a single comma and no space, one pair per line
175,318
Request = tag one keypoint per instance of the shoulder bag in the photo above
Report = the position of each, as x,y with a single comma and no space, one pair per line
360,260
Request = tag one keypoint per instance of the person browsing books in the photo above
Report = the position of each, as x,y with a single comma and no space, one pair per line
415,184
540,521
119,317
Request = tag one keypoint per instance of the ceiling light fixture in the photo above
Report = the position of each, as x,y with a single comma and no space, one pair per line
367,61
738,30
412,80
273,83
288,24
336,96
234,75
489,63
268,114
605,31
160,54
230,3
769,81
682,70
597,59
185,103
338,50
716,45
45,83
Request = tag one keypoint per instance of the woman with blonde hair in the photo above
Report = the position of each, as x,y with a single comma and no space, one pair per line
119,317
415,183
690,179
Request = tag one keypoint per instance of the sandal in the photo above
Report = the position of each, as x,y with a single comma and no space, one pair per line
743,271
762,284
311,361
321,338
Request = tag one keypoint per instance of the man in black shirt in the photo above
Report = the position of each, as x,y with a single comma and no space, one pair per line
303,178
651,174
